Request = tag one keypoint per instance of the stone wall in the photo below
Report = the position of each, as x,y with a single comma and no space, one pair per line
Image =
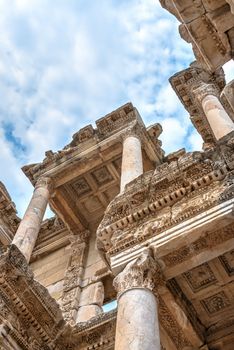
50,270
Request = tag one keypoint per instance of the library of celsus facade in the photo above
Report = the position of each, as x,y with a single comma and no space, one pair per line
140,252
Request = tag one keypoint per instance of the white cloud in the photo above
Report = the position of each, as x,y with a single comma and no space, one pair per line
229,70
195,141
174,134
64,64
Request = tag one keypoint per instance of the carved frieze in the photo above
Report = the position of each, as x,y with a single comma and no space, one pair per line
97,333
8,213
176,191
208,240
116,120
83,135
73,276
172,328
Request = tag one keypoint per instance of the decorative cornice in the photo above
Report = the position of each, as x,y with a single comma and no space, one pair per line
28,299
150,208
206,28
98,333
106,126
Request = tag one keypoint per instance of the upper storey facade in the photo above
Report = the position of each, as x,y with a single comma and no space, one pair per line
154,231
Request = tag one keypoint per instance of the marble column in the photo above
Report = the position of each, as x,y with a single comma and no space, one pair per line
132,163
220,122
26,235
137,318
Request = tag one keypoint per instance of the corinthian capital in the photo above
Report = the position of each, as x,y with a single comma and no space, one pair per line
45,182
201,90
143,272
135,130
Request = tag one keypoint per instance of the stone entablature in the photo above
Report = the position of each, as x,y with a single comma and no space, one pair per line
175,192
208,26
9,221
166,241
188,85
109,131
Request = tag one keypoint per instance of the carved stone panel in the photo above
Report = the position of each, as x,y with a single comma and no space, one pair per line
102,175
81,187
200,277
215,303
228,262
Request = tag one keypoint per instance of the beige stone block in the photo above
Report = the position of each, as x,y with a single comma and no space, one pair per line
51,271
53,278
190,11
231,3
44,266
56,295
85,313
211,5
55,287
223,20
54,258
92,294
92,269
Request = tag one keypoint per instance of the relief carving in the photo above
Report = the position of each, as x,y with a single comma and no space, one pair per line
200,277
216,303
73,276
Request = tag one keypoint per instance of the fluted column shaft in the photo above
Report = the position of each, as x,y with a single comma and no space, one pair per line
132,164
137,325
26,235
220,122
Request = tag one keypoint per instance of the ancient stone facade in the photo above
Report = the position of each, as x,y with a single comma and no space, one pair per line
153,232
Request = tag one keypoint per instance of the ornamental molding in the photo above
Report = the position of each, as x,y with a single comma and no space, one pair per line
206,28
207,240
180,188
8,213
174,331
97,333
73,276
37,312
112,235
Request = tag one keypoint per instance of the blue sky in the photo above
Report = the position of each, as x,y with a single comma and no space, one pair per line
64,64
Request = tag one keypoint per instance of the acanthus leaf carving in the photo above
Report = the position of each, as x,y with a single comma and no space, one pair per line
143,272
